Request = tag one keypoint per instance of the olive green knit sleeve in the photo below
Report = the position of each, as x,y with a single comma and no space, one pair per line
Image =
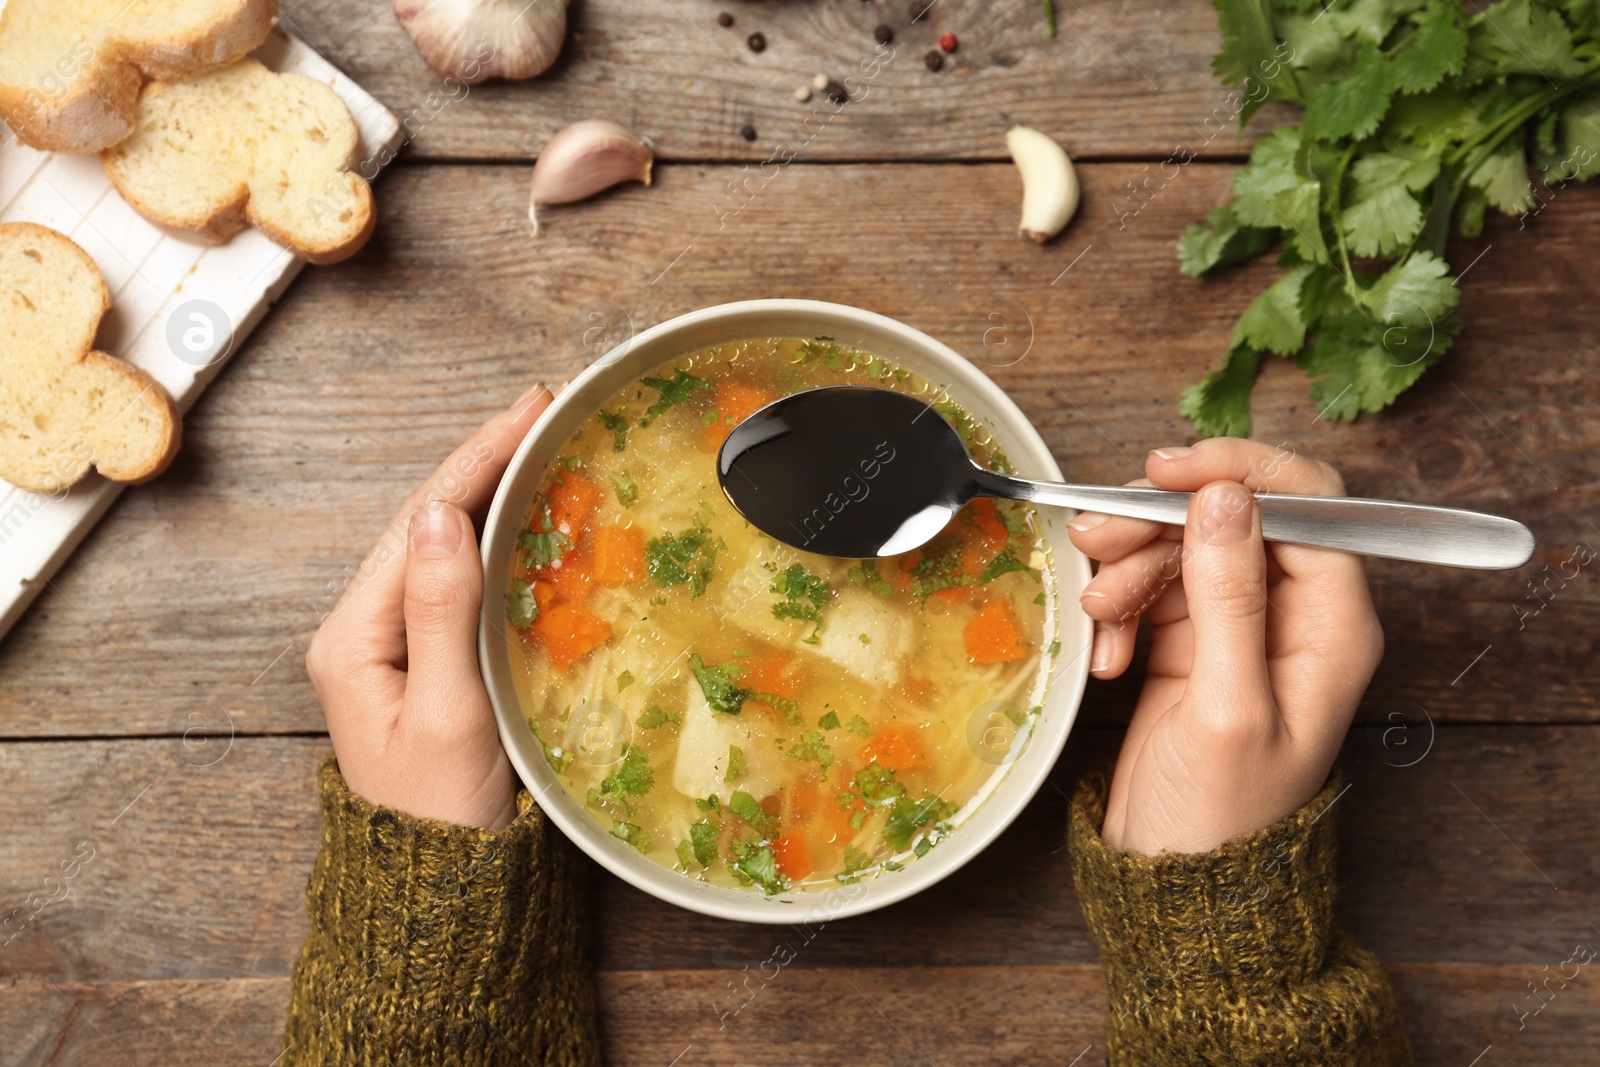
438,944
1232,957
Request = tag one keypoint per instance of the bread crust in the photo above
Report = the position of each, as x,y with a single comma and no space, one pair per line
97,107
85,446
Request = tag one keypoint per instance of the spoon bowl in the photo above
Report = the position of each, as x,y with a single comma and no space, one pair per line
861,472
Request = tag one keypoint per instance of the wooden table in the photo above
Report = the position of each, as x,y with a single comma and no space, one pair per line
154,705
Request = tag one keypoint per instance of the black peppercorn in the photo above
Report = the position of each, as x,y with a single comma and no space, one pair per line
757,42
724,19
837,94
934,60
919,8
748,132
883,34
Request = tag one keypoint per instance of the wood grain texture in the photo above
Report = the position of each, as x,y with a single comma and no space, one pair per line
827,1016
198,867
192,606
1117,81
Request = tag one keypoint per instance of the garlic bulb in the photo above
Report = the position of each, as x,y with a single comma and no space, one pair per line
475,40
1049,183
583,159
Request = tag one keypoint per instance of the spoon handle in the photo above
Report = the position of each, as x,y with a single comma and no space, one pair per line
1386,528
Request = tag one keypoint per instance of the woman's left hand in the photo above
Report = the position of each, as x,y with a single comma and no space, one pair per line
396,661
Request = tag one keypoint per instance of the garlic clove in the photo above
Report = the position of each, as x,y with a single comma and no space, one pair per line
1049,183
584,158
475,40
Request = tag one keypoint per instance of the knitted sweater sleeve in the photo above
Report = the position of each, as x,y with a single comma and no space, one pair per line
1232,957
438,944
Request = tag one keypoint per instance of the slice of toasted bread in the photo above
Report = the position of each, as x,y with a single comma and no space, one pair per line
70,70
63,406
242,144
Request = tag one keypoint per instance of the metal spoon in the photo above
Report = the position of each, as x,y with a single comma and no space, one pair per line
861,473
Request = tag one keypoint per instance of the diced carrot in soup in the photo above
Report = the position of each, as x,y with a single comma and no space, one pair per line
544,593
573,575
895,747
982,528
618,555
774,671
733,402
570,632
793,854
994,636
572,504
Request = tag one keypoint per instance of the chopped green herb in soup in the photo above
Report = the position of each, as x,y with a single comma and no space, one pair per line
746,713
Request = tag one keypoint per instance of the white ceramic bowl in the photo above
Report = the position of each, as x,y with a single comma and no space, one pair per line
1012,785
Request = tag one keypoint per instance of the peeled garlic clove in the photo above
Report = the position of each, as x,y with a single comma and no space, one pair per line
585,158
475,40
1049,183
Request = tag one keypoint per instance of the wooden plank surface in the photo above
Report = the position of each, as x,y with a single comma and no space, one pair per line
983,1016
194,607
1119,80
174,938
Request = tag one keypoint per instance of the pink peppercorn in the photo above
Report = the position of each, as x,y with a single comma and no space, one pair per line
948,42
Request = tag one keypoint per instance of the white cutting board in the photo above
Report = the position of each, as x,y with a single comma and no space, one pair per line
156,323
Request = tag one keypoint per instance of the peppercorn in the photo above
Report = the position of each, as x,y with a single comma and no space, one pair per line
819,82
883,34
724,19
757,42
837,94
948,42
802,93
748,132
919,8
934,59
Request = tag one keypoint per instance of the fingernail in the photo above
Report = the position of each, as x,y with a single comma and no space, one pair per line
1095,593
527,398
435,532
1088,520
1226,515
1100,655
1175,452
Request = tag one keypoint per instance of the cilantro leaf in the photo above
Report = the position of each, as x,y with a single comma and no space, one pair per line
716,682
657,716
1503,179
687,558
866,573
906,817
858,725
1436,51
627,491
1353,105
1219,404
736,765
747,808
758,864
1274,321
674,391
703,841
521,608
1222,240
617,423
1414,292
1521,37
632,834
1271,170
813,749
829,721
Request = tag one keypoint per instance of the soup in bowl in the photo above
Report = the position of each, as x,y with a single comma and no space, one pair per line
747,729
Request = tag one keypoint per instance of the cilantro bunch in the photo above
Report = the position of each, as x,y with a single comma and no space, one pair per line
1419,117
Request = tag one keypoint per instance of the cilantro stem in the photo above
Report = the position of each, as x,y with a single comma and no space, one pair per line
1049,16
